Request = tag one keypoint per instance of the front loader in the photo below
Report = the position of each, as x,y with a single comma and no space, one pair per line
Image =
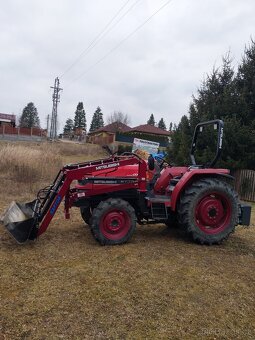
199,198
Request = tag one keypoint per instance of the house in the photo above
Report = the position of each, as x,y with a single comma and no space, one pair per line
7,119
153,133
118,135
107,135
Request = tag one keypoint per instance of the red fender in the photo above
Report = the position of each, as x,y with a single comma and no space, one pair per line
190,176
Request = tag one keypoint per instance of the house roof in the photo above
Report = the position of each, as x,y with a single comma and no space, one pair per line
7,117
113,127
150,129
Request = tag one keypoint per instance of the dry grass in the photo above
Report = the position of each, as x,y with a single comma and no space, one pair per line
30,165
26,164
73,149
158,286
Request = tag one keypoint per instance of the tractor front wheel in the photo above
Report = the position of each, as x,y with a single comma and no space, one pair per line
86,214
208,211
113,222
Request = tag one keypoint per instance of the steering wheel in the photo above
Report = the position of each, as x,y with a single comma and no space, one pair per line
165,161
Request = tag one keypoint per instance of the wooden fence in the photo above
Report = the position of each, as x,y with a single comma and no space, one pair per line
10,130
245,184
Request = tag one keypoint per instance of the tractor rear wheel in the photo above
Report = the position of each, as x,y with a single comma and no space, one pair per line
208,211
86,214
113,221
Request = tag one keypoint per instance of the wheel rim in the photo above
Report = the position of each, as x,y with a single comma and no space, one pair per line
213,213
115,224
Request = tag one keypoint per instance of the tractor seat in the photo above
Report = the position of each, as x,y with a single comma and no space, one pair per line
151,183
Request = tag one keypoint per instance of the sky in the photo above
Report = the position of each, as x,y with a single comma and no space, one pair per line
138,56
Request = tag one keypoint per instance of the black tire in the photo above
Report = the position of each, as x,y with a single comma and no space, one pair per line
86,214
208,211
172,221
113,222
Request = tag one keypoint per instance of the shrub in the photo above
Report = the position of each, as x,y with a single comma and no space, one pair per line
124,148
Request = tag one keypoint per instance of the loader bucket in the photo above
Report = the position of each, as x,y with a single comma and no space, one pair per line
19,220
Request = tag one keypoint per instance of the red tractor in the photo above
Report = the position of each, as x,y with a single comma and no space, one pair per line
115,193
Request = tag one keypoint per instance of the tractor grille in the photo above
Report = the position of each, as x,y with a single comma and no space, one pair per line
158,211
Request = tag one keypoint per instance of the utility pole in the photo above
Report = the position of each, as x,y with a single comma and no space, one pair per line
48,124
56,100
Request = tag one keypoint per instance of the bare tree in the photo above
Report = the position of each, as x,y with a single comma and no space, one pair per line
119,117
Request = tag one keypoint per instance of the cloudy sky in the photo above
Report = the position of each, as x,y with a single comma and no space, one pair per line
155,70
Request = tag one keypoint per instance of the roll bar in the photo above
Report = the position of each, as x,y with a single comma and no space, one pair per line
219,125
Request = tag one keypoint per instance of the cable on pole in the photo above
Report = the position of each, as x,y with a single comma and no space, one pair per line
100,36
122,41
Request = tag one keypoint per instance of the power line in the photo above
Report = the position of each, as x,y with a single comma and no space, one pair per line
99,37
122,41
111,28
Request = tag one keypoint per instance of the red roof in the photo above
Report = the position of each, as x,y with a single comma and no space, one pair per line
113,127
147,128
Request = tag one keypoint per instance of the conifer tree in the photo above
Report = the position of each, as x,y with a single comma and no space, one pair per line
100,119
245,83
151,120
161,124
69,125
181,142
29,117
97,120
230,97
80,117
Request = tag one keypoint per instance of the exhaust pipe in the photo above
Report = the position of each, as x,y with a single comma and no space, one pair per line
20,221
